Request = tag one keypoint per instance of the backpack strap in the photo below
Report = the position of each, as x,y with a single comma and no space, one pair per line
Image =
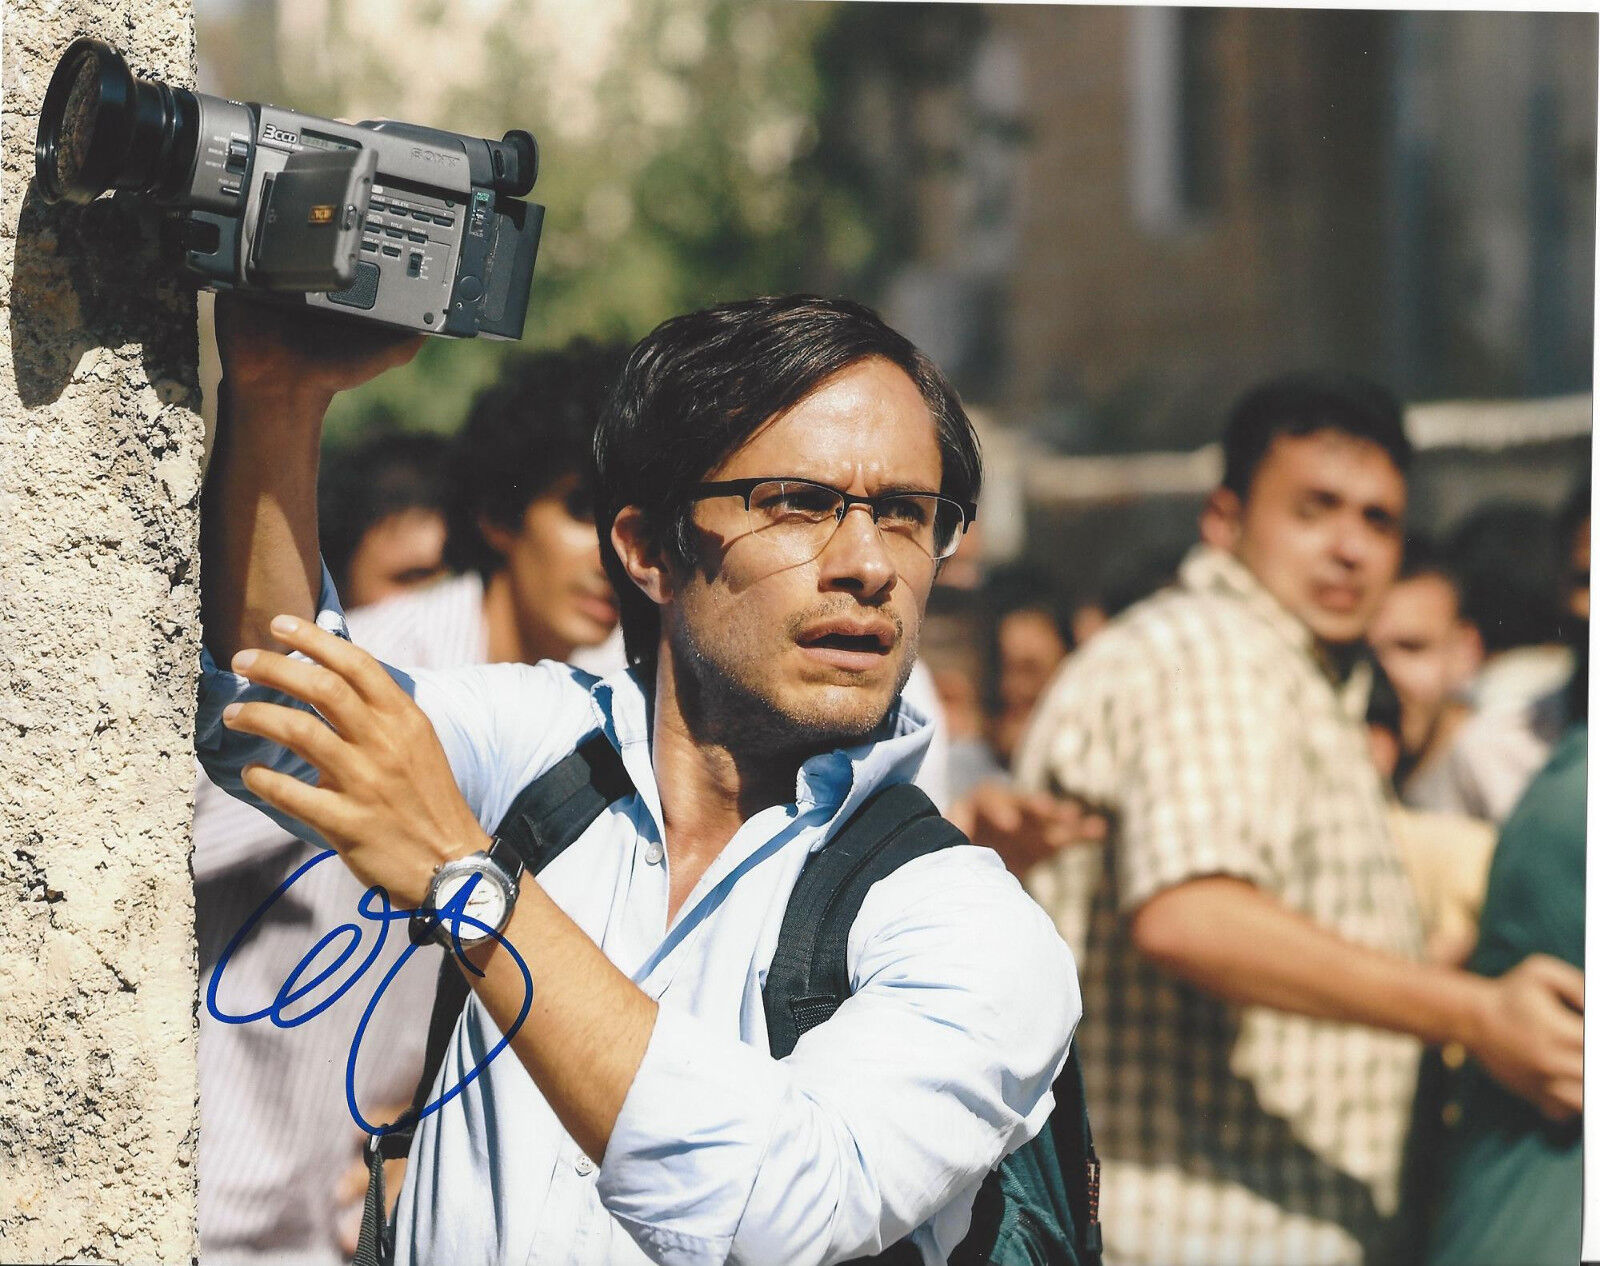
809,978
548,815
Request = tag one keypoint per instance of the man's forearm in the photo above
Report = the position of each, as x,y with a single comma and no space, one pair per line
586,1034
1230,939
258,515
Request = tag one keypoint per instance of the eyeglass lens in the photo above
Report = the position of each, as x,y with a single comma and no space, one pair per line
801,518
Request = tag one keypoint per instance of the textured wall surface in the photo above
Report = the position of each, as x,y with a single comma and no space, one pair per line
99,480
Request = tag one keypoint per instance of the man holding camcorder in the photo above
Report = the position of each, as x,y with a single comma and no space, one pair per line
770,629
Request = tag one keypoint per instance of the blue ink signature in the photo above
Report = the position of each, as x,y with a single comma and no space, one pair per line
373,907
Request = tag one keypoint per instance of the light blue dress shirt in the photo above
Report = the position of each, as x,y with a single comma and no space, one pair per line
883,1121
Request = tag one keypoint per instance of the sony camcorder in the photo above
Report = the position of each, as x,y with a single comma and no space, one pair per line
409,226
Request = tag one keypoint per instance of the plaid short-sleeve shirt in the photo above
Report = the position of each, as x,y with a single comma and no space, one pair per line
1207,726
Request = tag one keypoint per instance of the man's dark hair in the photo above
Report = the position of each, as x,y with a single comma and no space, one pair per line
1423,556
528,430
1383,704
1022,587
1303,404
699,386
1511,570
362,484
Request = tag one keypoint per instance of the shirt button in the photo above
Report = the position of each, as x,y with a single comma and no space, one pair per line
655,852
584,1166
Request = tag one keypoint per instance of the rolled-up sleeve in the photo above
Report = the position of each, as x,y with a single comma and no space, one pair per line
939,1064
224,753
479,714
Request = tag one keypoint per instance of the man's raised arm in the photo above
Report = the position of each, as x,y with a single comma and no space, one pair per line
258,513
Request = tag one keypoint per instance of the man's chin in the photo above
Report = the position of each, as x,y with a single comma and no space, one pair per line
1341,634
836,713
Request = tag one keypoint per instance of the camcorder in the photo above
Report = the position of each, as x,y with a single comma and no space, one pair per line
409,226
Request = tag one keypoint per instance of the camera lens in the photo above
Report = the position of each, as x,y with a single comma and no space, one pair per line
101,128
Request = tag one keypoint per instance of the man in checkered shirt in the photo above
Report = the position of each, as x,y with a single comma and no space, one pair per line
1252,999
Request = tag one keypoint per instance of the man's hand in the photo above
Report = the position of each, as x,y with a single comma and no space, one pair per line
1529,1034
350,1194
258,514
385,797
1025,827
271,348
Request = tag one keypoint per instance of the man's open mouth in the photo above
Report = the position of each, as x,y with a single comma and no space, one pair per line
867,643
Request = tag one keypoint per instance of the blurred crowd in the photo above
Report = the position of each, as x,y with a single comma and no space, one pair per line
1248,783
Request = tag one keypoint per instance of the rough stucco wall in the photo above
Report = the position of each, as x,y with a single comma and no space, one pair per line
99,477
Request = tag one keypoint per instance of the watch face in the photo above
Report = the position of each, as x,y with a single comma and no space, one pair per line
486,903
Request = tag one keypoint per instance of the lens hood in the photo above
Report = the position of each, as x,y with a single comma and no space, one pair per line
100,127
76,159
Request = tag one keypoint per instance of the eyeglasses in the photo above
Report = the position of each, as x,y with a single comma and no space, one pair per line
799,517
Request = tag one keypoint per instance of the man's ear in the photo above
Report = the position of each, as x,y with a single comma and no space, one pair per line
497,536
1466,652
641,556
1221,520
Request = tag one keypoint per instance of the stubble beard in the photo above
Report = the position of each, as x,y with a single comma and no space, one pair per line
725,704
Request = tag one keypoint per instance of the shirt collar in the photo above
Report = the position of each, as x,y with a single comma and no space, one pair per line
833,782
1207,569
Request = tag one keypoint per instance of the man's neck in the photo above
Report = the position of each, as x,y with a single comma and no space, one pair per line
1441,734
510,640
710,782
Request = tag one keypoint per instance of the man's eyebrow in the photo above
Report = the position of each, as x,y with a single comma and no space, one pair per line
893,489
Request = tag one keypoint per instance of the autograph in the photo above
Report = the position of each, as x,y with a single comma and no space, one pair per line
373,907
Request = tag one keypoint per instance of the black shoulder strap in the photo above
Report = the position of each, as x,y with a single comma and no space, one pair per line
809,978
548,815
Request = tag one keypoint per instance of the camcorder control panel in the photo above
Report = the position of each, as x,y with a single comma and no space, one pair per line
413,227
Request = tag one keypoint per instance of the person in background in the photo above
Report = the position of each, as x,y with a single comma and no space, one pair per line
1446,855
1248,936
381,503
954,635
1522,696
1032,635
1429,651
1508,562
1513,1178
281,1175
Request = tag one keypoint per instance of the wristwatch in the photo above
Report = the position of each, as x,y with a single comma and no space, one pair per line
494,877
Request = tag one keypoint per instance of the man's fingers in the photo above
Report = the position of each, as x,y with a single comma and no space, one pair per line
1563,1099
307,736
352,1183
318,808
325,690
1564,979
1061,822
361,671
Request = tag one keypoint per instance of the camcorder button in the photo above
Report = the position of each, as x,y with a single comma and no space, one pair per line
392,250
369,244
448,221
417,237
391,231
422,215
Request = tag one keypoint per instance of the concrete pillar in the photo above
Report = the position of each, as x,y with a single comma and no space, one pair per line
100,442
